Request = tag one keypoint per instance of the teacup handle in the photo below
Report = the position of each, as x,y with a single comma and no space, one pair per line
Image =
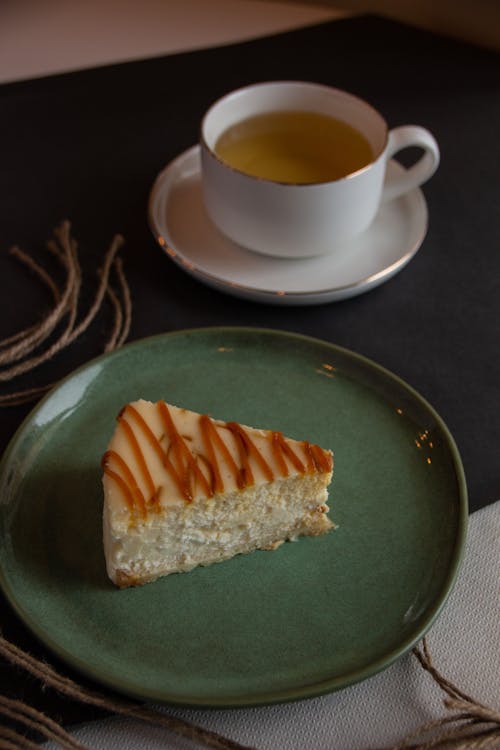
403,137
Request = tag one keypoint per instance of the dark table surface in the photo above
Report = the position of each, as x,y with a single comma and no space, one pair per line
87,146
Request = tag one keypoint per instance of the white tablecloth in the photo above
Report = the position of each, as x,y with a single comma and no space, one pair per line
464,643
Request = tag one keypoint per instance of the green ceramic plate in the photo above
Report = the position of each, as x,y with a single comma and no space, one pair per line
315,615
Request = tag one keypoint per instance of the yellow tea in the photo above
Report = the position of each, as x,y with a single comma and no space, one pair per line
294,147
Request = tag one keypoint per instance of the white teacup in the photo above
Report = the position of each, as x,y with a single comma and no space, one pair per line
305,219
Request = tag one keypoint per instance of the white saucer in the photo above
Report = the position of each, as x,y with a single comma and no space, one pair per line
182,228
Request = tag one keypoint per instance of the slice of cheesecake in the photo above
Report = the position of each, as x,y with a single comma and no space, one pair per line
182,489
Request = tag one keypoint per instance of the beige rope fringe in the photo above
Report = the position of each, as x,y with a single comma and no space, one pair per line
51,678
30,717
477,727
20,353
472,726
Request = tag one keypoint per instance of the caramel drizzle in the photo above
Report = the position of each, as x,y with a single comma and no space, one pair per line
322,460
281,449
138,454
211,440
183,468
186,461
156,446
127,482
247,450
